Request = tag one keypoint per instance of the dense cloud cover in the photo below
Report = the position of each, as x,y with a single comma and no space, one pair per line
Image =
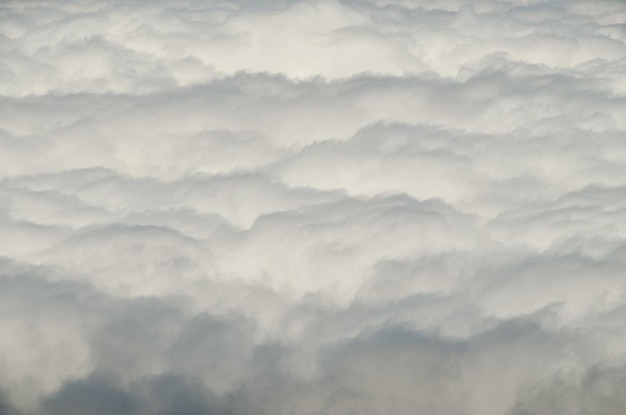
313,207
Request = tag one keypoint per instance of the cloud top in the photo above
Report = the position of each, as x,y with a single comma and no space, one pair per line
320,207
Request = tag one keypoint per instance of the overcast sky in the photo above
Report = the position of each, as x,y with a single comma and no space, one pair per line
283,207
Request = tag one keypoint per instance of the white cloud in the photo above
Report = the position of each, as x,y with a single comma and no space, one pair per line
320,207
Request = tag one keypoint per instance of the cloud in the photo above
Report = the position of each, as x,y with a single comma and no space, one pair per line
320,207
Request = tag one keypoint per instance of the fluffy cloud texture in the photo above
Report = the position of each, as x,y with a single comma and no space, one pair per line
313,207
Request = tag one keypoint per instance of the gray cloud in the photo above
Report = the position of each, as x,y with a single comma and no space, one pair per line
320,207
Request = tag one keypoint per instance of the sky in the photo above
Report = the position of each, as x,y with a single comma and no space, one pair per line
326,207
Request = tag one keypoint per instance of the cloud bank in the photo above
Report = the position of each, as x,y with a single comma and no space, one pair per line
313,207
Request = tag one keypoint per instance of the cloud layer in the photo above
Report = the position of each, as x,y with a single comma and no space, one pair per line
313,207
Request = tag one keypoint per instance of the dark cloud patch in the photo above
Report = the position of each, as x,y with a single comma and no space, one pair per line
6,407
96,396
167,395
597,391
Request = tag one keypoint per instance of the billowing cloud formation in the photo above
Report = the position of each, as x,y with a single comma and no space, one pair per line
313,207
